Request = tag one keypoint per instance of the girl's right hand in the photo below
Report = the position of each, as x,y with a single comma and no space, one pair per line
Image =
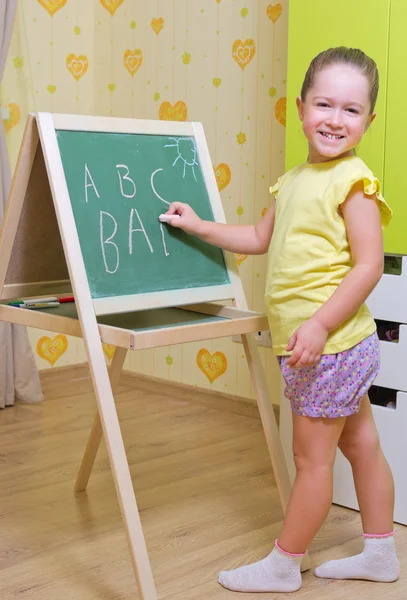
188,220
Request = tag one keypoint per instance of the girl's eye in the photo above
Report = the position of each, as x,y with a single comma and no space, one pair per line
323,104
353,111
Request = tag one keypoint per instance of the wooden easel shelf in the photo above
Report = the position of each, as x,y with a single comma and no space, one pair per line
145,329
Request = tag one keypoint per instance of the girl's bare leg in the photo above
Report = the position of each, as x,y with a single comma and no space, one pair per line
374,486
373,478
315,443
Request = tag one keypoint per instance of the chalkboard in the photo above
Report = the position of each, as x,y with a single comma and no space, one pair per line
118,184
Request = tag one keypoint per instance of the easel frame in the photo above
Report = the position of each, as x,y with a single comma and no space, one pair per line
48,125
234,320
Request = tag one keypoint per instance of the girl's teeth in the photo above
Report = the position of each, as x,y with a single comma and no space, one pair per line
331,136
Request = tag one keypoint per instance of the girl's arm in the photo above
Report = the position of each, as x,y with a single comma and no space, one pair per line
241,239
363,226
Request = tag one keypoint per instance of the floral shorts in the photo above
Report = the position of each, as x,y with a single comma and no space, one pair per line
334,387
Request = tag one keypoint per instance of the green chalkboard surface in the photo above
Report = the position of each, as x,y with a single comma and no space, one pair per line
118,186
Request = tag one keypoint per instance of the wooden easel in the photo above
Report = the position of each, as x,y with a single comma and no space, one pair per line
40,254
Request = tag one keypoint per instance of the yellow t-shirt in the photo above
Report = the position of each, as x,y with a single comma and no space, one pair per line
309,253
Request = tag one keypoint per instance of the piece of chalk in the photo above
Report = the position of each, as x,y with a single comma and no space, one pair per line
166,218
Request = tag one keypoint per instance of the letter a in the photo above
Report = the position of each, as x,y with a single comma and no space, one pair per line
87,174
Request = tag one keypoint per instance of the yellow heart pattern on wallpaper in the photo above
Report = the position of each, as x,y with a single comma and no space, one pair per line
14,117
133,60
52,350
211,365
243,52
111,5
240,258
52,89
223,175
157,25
109,350
274,11
217,81
178,112
280,110
77,65
51,6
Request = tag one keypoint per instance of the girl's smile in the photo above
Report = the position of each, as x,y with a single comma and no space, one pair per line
331,136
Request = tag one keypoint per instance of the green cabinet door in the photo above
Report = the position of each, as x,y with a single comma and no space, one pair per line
395,166
321,24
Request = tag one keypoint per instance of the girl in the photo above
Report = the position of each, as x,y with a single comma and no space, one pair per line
324,242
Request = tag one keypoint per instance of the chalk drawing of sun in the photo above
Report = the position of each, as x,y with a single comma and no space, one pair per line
186,150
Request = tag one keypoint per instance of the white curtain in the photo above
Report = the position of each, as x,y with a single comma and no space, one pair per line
19,379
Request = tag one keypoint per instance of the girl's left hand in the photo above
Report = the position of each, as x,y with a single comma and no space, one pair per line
307,344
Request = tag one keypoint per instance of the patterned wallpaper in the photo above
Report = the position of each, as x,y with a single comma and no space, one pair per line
221,62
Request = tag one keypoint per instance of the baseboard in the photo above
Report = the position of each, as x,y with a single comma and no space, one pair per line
50,370
214,399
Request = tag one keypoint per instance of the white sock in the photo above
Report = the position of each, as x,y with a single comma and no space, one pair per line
377,562
278,572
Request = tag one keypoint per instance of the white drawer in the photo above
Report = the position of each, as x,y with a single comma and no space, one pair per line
391,424
393,363
388,301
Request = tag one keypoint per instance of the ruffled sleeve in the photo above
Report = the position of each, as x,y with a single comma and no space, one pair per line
276,187
371,186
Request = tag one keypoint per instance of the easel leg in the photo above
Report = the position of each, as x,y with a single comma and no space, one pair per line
96,432
118,461
270,428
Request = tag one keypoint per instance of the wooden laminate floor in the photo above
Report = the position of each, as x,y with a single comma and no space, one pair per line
204,487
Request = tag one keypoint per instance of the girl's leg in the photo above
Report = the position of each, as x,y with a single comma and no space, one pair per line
315,443
375,492
374,484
